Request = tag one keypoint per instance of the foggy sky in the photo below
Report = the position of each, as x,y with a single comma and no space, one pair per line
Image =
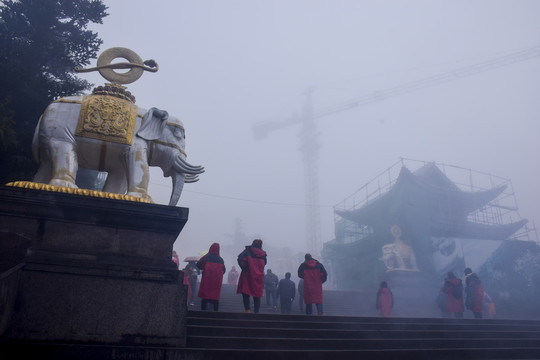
227,65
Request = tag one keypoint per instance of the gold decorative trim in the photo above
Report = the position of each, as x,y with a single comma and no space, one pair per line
83,192
107,118
176,125
164,143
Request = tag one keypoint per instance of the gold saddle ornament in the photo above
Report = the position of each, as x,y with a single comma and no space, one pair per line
107,118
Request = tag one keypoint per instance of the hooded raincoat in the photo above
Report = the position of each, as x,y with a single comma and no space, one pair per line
314,275
213,268
252,261
232,278
385,301
453,289
474,293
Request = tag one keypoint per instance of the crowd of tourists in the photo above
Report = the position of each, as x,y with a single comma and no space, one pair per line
253,283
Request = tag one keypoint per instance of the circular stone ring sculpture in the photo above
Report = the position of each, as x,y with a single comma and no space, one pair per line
135,65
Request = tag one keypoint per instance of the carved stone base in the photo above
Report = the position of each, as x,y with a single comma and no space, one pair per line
89,275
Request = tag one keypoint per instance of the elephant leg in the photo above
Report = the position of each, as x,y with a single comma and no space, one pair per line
116,182
64,163
138,173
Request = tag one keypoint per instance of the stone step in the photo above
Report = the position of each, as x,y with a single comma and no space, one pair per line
376,333
359,323
253,324
352,329
304,343
227,335
377,354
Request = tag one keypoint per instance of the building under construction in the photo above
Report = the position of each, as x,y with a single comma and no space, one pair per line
451,217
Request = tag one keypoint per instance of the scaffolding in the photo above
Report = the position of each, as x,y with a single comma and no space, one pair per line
501,210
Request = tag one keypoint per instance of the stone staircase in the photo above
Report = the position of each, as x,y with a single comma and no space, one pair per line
351,329
225,335
338,303
335,303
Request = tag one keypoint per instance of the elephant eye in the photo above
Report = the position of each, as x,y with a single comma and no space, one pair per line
178,133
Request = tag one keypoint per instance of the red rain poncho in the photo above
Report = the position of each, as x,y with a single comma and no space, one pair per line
474,293
213,268
454,304
232,278
252,261
385,301
314,275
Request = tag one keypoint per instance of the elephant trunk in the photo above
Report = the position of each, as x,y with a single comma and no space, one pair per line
178,185
182,172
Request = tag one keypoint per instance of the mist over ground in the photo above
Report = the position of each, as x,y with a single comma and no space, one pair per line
225,66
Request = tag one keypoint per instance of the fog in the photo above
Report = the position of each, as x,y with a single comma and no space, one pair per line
225,66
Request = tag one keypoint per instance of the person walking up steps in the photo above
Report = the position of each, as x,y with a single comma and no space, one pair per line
285,292
385,300
213,268
453,288
314,275
232,278
474,293
270,287
301,295
251,282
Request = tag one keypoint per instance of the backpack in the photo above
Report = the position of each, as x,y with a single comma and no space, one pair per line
457,291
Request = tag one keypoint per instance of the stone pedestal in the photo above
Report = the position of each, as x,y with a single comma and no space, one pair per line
86,277
414,294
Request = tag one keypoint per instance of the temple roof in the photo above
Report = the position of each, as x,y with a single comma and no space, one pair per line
431,196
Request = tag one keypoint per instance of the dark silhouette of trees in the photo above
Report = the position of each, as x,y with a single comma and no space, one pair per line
41,42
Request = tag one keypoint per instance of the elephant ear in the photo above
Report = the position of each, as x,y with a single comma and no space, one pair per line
153,124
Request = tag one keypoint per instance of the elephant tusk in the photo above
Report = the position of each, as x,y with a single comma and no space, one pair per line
180,166
193,168
188,168
191,178
188,165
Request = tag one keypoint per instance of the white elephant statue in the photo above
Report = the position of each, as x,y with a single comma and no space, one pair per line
62,144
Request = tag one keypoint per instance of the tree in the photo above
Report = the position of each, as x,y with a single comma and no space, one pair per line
41,42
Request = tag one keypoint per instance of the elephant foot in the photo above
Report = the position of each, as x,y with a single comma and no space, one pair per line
141,195
63,183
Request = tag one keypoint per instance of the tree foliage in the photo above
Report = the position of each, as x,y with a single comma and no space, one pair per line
41,42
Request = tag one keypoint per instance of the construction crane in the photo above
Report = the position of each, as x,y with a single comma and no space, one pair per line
308,136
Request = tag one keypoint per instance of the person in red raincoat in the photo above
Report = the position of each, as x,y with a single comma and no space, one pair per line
213,268
314,275
251,282
385,300
453,288
474,292
232,278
